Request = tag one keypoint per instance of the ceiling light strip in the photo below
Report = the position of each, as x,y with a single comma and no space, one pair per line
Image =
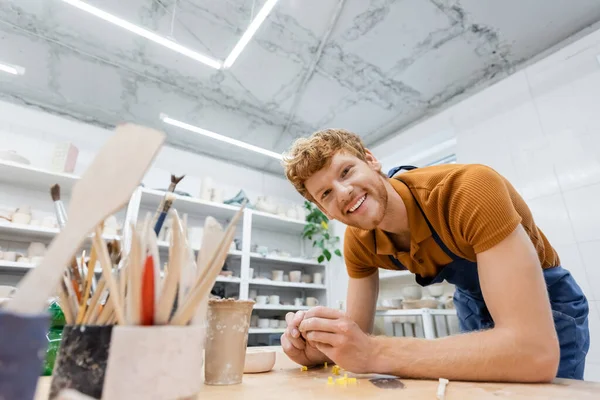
254,25
145,33
168,120
12,69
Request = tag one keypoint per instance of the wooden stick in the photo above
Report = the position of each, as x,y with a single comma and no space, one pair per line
169,289
107,272
106,313
94,302
134,276
88,284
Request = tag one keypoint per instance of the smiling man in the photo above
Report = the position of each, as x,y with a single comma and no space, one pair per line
523,316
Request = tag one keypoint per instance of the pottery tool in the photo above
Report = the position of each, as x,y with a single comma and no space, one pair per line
134,274
441,391
92,308
104,259
64,303
104,188
177,259
59,207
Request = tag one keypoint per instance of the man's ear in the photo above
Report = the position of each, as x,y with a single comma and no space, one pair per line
372,161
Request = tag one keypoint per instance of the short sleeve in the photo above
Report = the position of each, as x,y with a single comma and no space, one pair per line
481,210
359,262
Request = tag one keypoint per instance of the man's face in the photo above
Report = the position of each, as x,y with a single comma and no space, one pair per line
350,190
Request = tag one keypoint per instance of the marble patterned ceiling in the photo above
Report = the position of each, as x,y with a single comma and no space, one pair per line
372,67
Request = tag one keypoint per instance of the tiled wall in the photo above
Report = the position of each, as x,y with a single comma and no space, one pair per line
541,129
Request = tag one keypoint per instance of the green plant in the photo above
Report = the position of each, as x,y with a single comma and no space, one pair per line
317,230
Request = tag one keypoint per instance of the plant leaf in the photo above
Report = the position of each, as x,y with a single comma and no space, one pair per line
314,243
321,258
327,254
338,252
326,236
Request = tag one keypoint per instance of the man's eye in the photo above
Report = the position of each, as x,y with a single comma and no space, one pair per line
325,193
345,171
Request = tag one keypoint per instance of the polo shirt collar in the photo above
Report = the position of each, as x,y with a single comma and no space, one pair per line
419,230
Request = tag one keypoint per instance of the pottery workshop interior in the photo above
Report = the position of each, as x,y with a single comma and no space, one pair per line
204,198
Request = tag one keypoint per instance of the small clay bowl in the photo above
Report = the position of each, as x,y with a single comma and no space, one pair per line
259,360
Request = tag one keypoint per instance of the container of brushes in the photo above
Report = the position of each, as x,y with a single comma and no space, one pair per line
22,351
130,362
227,340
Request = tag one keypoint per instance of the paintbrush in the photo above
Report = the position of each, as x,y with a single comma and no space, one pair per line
163,211
150,279
174,181
59,207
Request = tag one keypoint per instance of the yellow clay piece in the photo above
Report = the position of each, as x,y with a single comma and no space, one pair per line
330,380
352,381
341,381
345,376
304,368
325,364
335,370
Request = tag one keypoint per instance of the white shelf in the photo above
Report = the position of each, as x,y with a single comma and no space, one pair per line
265,330
228,280
15,265
26,176
272,222
279,308
388,274
284,260
151,199
267,282
35,232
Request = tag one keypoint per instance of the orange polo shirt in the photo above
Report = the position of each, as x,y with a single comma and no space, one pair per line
470,206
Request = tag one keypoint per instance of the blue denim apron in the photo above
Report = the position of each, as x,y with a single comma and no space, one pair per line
569,304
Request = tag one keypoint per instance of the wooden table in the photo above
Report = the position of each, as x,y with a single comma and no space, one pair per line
287,382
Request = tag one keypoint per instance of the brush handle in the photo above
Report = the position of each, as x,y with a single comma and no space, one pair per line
61,214
159,222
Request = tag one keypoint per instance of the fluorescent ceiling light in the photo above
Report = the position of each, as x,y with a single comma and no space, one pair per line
211,62
168,120
254,25
145,33
12,69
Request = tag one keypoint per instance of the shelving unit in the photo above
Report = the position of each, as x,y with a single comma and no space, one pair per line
257,227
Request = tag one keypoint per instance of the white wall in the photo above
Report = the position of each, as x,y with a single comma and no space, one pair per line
541,129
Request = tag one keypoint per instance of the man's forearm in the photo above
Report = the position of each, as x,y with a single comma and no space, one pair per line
492,355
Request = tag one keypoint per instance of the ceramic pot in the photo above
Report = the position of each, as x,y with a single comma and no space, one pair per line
21,218
274,323
298,302
226,340
264,203
318,278
261,300
206,188
412,292
295,276
277,275
36,249
312,301
436,290
274,299
263,323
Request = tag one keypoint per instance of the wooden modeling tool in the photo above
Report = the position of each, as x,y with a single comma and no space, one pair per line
104,259
177,258
104,188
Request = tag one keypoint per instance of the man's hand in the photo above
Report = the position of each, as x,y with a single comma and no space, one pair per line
339,338
294,345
